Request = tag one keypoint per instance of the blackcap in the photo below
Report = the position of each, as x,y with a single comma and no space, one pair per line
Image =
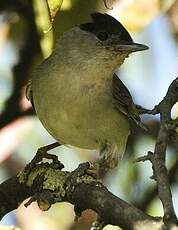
77,95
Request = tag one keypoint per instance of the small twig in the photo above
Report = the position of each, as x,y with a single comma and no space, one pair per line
142,110
148,157
151,193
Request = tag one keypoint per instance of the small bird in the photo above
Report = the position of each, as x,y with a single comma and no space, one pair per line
77,95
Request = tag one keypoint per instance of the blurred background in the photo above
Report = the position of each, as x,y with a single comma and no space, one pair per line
28,31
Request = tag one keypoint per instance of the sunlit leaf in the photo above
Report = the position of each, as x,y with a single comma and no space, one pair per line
54,7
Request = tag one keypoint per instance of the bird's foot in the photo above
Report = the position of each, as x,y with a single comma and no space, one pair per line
93,170
99,224
86,172
42,153
98,168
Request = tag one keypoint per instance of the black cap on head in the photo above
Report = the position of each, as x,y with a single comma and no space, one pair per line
104,26
105,22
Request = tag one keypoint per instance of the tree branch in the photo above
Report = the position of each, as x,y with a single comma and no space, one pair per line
48,184
157,158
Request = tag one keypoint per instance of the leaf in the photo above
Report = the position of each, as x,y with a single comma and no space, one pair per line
54,7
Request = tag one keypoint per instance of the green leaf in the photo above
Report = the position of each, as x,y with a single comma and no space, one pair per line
54,7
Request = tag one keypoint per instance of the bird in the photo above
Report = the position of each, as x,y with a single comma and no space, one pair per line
77,95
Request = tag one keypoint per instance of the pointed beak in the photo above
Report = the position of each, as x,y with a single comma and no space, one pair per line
132,47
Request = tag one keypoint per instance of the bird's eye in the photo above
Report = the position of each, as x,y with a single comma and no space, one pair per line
103,35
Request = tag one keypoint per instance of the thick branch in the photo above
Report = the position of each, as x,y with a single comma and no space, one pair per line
12,193
84,192
112,209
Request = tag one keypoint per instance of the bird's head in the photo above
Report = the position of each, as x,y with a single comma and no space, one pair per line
102,39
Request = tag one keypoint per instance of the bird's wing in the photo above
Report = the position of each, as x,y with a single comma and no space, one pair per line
123,101
29,94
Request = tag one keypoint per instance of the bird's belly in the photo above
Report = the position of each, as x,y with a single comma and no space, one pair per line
80,116
84,129
82,125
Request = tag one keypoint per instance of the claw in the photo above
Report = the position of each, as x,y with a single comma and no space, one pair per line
93,169
41,154
99,224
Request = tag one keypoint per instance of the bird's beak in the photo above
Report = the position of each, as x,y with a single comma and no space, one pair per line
132,47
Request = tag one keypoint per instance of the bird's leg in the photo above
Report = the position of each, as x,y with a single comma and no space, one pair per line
108,158
41,154
98,224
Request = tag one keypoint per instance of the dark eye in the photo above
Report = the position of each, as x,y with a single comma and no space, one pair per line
103,35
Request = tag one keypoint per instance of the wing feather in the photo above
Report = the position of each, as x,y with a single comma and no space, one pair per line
123,101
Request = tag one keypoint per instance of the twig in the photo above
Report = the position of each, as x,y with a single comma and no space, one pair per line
151,193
